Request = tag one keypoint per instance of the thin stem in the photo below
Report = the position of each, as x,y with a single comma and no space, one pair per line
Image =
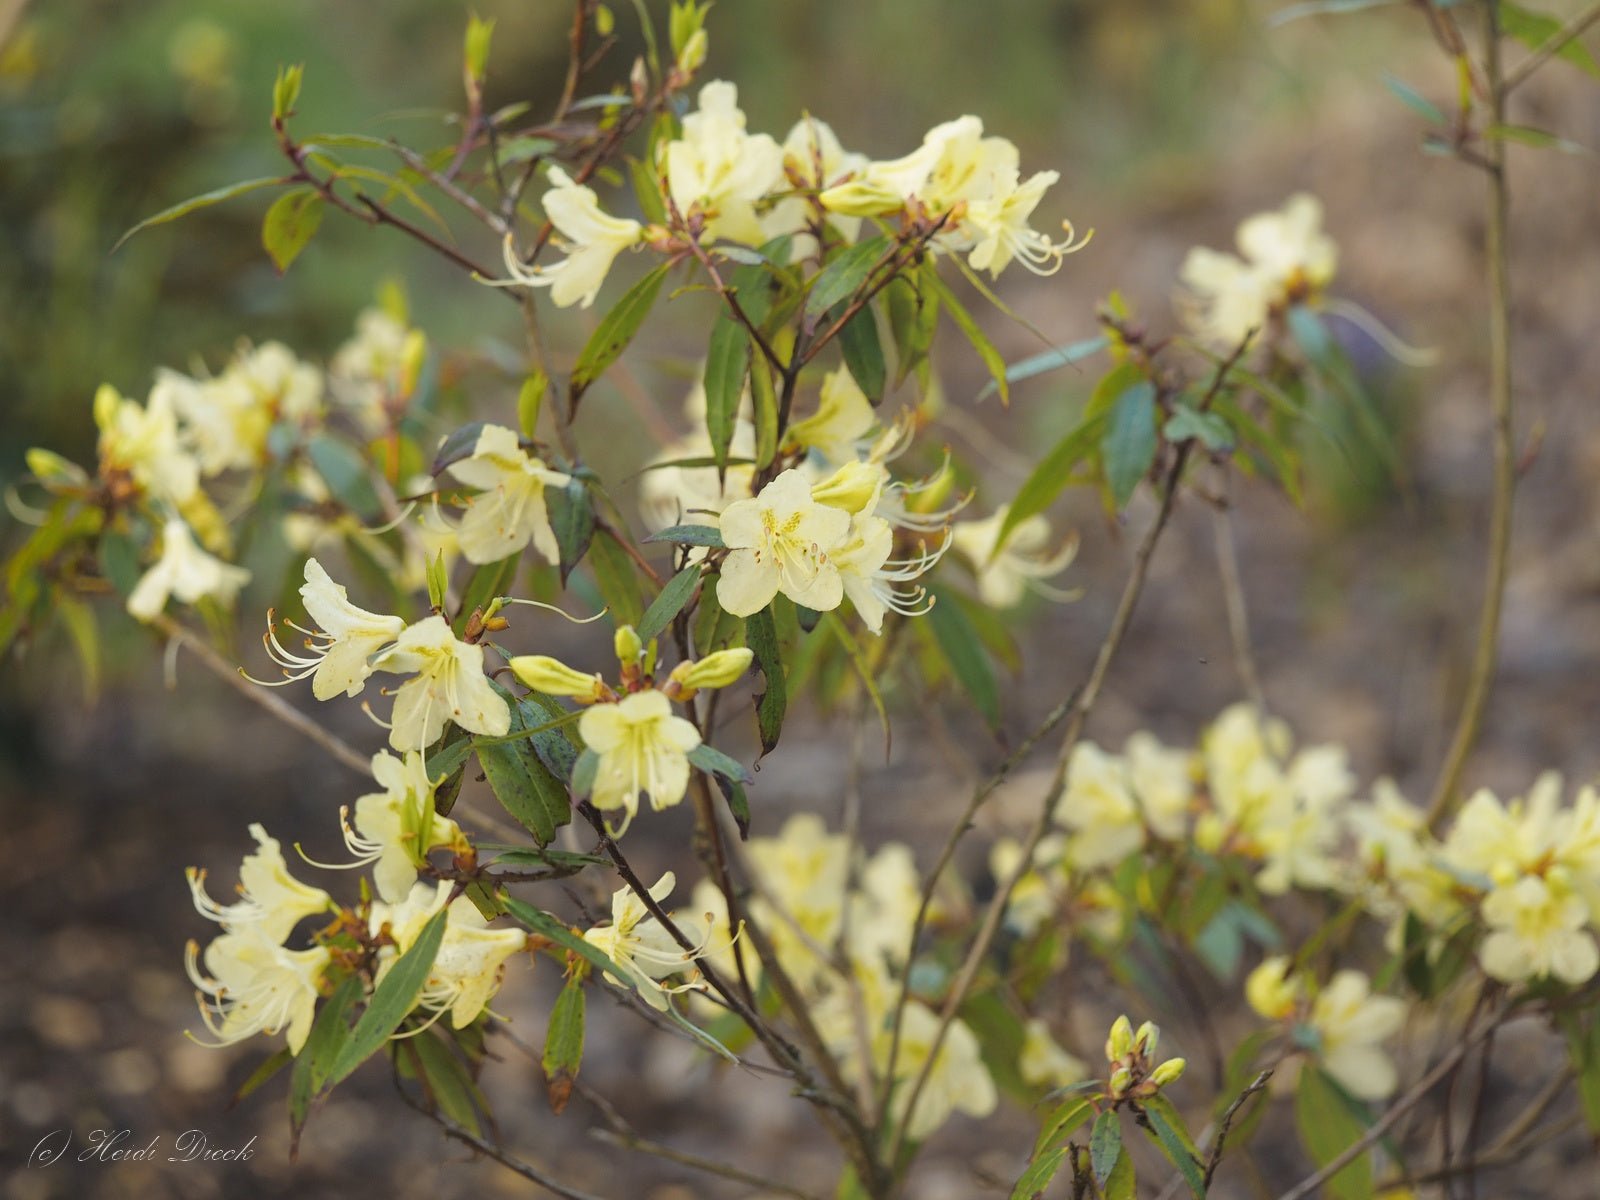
1233,601
269,700
527,1170
1505,465
1557,42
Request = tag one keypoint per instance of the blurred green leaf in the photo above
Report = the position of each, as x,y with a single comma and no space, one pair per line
194,203
963,319
1414,100
844,275
962,649
1050,360
1130,441
615,331
727,366
290,224
1327,1128
1533,29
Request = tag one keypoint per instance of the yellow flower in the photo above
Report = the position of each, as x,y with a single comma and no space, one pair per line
184,571
781,540
1350,1022
1272,991
339,652
1537,927
144,442
803,872
591,237
843,418
719,169
643,750
643,949
466,971
271,901
1018,567
1044,1063
1098,806
448,684
509,511
1286,257
394,829
959,1082
256,986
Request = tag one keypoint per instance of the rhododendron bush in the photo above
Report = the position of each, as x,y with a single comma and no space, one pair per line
805,538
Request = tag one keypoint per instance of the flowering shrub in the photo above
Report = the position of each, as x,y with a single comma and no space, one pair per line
798,544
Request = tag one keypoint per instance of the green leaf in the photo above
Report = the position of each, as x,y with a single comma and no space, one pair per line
1105,1145
1052,475
347,473
459,444
1327,1128
616,330
1539,139
1583,1050
962,650
1414,100
1121,1184
290,224
563,1044
266,1070
714,762
444,1076
548,722
863,354
522,783
1130,441
714,627
669,603
1318,7
572,519
690,535
447,765
963,319
646,187
1534,29
761,635
913,317
616,578
844,275
1050,360
312,1066
195,203
119,561
547,926
1210,430
1166,1126
529,399
391,1001
1278,454
583,773
78,619
475,48
858,659
1324,351
1063,1121
438,580
1040,1172
727,366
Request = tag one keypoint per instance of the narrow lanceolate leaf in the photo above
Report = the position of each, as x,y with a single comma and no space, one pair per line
1062,1123
669,603
738,803
690,535
913,316
863,354
119,561
858,659
329,1033
346,473
1129,445
447,767
1105,1145
1040,1172
1327,1127
1166,1126
969,327
1534,29
522,783
572,519
844,275
195,203
267,1070
290,224
1583,1051
1210,430
1414,100
963,650
444,1076
538,921
1050,360
458,445
563,1044
761,635
727,366
616,330
714,762
395,997
616,578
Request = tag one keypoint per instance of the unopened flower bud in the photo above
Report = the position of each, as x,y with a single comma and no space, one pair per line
716,670
1270,990
50,469
852,488
627,645
413,352
553,677
693,54
1168,1072
1119,1083
858,198
1120,1040
1144,1041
